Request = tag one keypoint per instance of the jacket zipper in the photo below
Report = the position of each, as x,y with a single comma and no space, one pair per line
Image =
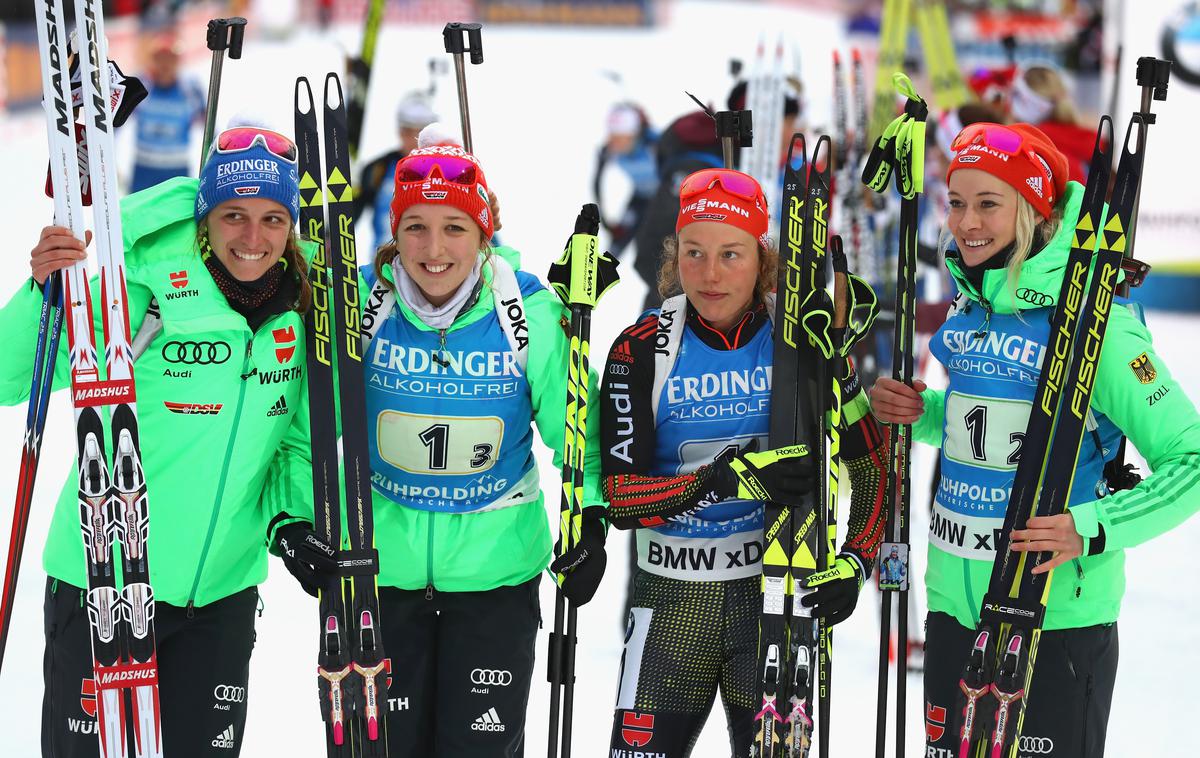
216,509
429,562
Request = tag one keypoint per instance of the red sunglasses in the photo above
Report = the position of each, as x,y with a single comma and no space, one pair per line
245,137
733,182
993,135
452,168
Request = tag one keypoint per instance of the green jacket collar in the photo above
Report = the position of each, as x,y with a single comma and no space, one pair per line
1041,276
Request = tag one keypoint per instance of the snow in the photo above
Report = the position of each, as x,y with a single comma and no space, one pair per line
538,106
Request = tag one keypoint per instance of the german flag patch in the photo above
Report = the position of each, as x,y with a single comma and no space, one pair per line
1143,369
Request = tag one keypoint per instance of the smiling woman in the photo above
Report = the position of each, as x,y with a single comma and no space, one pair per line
215,292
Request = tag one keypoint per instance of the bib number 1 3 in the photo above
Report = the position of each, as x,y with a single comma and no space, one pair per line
441,445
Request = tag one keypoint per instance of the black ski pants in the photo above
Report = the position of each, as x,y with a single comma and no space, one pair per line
203,668
462,663
1066,715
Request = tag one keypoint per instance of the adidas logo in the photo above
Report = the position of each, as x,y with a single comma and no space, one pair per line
1035,183
279,409
225,739
488,722
621,353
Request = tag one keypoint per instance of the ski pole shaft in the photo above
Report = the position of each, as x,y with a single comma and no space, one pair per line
223,34
735,129
1153,76
461,38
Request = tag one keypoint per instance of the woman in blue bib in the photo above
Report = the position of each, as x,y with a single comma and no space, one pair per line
677,468
465,354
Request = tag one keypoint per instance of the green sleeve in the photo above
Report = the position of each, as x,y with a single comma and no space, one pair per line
928,428
1135,390
287,495
549,349
19,320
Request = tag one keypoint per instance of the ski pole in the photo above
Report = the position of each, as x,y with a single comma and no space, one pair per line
735,129
463,38
1153,76
223,34
580,277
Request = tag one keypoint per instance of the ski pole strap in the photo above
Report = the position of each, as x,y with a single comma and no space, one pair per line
901,147
583,274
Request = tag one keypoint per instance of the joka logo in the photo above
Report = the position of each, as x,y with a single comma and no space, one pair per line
637,729
285,343
225,739
491,676
194,409
621,353
488,722
935,722
87,697
179,279
279,409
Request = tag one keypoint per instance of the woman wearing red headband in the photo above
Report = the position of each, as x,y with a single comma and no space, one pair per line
1009,232
464,355
679,467
216,286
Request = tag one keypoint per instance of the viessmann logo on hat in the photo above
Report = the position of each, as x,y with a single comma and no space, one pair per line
703,204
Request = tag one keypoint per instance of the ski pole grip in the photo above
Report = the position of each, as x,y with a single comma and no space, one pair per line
461,38
1156,73
227,34
589,220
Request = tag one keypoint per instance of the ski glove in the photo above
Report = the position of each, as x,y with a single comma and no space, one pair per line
781,475
582,566
836,589
307,557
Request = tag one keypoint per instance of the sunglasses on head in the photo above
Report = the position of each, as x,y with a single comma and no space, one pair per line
733,182
245,137
993,135
452,168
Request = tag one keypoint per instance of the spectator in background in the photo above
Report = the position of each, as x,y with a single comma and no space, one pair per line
163,142
630,147
375,185
1040,96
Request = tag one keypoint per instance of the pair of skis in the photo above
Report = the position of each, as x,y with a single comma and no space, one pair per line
994,686
352,669
113,503
795,649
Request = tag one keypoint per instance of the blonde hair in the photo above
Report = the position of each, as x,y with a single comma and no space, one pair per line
668,268
1049,84
1031,233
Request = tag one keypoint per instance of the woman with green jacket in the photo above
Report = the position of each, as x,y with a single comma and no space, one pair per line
465,355
216,286
1010,227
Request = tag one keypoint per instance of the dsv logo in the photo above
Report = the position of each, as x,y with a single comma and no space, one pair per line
1033,297
1036,745
226,693
497,677
196,353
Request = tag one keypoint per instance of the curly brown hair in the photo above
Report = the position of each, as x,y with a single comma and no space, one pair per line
668,269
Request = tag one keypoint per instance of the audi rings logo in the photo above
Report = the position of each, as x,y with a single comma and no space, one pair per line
1033,297
196,353
226,693
497,677
618,369
1036,745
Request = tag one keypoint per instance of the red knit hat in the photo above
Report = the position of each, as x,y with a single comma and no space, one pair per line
1020,155
727,197
442,175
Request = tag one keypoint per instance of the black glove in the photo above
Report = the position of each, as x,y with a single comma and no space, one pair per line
582,567
782,475
837,588
307,557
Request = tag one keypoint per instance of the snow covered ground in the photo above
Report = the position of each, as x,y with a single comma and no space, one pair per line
538,104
